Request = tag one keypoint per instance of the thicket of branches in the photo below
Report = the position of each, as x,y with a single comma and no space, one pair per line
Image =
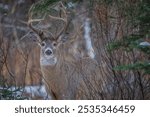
15,52
122,26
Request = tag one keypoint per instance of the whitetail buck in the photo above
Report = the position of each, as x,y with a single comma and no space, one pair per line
69,73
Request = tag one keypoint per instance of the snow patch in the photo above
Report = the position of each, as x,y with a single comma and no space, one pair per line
32,91
71,5
145,44
36,91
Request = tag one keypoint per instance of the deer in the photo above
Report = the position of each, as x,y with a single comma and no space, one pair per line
68,71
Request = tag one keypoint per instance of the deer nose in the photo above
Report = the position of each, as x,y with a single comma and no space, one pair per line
48,52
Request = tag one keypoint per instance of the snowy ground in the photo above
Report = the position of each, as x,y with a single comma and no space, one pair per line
30,92
37,92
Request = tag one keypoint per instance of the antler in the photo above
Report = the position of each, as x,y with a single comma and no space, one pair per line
30,21
63,9
40,32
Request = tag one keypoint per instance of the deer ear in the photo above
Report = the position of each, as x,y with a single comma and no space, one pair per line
34,37
63,38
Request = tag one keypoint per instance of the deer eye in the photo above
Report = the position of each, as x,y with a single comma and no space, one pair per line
54,44
43,44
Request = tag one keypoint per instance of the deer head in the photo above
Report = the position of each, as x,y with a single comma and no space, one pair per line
47,41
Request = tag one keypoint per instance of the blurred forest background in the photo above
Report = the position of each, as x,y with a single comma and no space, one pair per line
120,32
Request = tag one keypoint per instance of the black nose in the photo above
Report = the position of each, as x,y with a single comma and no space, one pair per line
48,52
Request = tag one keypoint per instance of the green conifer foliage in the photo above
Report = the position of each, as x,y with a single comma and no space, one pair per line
138,17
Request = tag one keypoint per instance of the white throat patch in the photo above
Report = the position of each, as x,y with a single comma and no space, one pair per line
48,61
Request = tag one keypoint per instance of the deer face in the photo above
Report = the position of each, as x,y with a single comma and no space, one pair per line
48,51
48,48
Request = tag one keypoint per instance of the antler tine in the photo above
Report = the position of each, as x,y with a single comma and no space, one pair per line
65,20
61,19
33,28
34,20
